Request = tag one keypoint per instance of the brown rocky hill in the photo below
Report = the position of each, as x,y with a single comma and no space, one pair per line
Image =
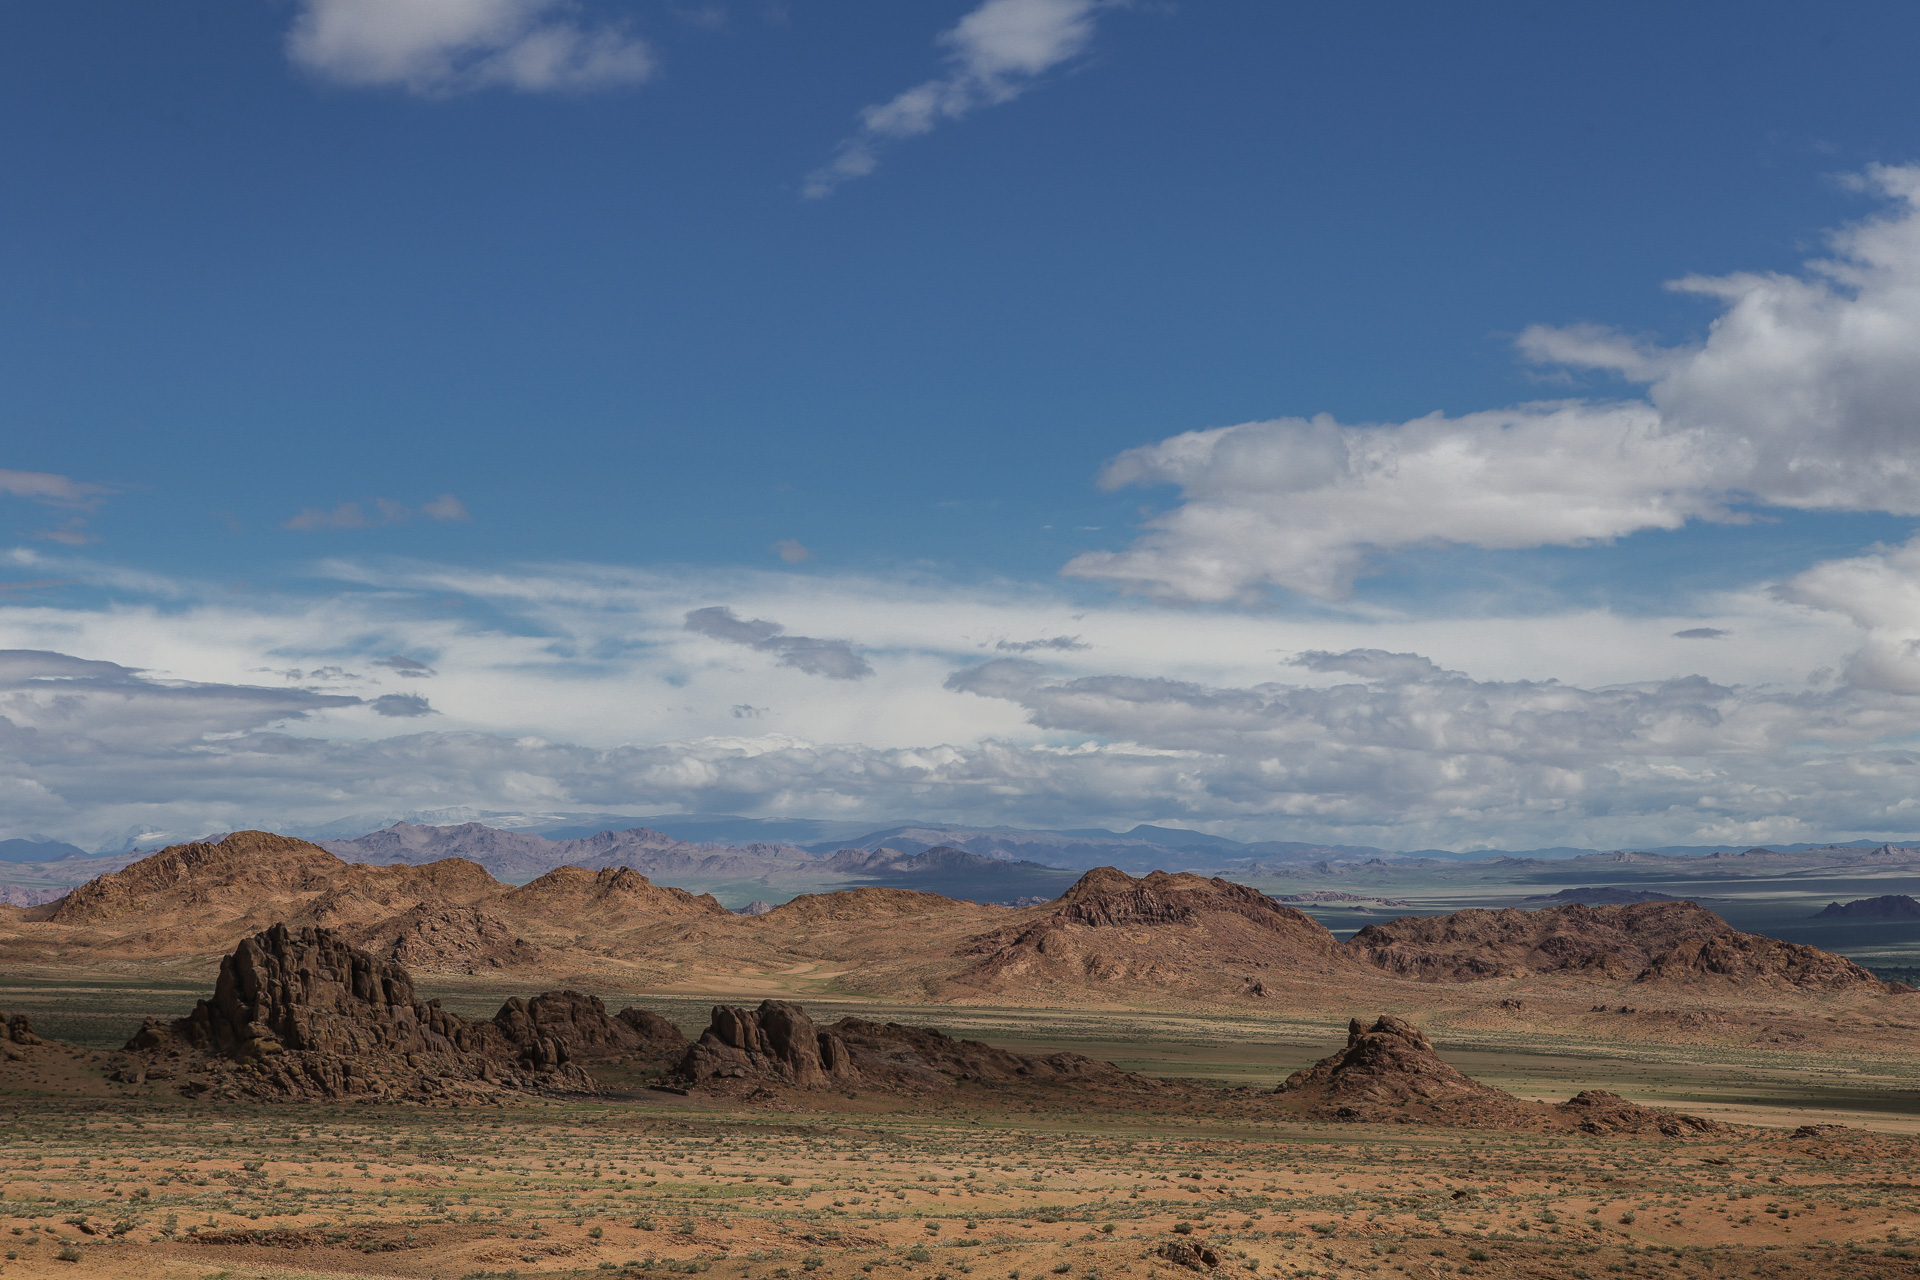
1183,933
1646,942
301,1013
447,916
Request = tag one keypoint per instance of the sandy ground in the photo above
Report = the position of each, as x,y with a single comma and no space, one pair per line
1002,1186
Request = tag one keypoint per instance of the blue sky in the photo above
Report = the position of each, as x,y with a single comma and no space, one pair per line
501,335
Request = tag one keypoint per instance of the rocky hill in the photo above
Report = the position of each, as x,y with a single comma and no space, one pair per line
1169,932
448,916
1670,943
1389,1072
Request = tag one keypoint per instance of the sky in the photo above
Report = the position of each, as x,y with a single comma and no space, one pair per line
1486,427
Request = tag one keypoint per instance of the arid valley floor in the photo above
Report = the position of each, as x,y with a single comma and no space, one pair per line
1803,1077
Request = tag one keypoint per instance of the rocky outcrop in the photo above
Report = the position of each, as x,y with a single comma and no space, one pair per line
1599,1112
890,1055
1656,942
1390,1072
302,1013
777,1044
17,1029
16,1036
580,1026
774,1044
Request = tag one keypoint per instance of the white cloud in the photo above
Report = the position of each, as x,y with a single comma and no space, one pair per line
438,48
579,687
996,52
1805,394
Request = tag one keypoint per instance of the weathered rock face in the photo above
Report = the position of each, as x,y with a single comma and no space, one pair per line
300,1013
1389,1071
890,1055
1597,1111
1663,942
16,1029
776,1043
569,1026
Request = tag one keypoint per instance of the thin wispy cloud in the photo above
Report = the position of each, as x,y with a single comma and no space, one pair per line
834,659
996,53
374,513
439,48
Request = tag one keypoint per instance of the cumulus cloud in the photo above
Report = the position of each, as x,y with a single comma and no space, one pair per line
834,659
1805,394
437,48
995,53
380,511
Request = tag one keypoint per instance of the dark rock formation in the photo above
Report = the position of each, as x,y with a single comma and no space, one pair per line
1390,1071
580,1027
1597,1111
1602,896
890,1055
302,1013
1893,906
776,1043
17,1029
1189,1254
1663,942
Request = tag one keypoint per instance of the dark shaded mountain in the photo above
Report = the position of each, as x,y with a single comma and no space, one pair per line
1145,848
1600,896
37,851
953,873
1893,906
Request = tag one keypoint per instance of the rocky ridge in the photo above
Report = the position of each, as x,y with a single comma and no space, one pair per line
302,1013
778,1045
1670,943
